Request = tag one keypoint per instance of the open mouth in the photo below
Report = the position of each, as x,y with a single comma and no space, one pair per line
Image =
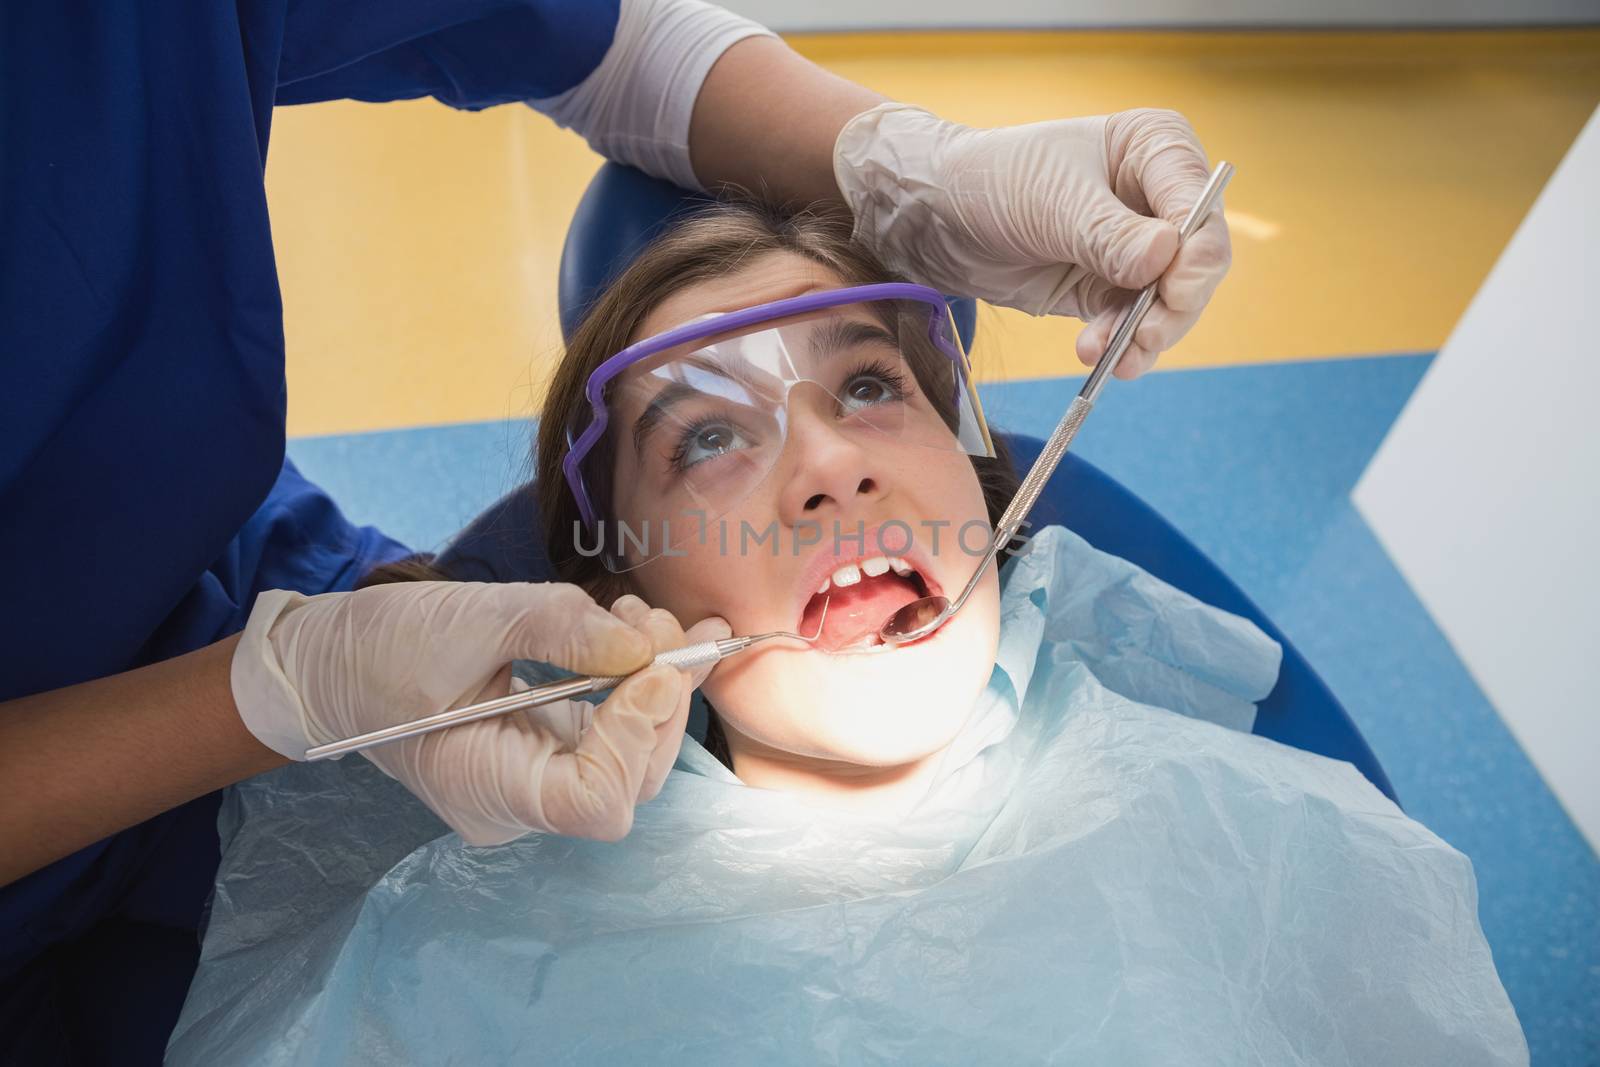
861,595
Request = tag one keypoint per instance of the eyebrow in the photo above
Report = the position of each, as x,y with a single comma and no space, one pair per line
674,393
656,410
839,334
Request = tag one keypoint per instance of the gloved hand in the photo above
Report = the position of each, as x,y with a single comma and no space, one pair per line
1049,217
314,669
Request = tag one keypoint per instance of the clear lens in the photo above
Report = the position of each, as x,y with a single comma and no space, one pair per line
694,430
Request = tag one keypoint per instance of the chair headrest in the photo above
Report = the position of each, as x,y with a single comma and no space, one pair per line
621,212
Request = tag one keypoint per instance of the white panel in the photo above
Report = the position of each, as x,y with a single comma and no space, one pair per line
793,15
1486,492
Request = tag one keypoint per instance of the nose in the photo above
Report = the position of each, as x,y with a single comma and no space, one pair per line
826,472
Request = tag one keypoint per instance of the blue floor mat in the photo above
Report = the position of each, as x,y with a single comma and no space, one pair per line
1255,464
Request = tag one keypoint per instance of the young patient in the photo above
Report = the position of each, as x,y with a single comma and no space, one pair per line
862,725
1023,839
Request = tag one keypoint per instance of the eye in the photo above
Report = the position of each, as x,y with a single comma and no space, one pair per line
706,440
871,386
866,391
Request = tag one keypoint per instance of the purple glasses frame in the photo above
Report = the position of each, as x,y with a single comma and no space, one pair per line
594,390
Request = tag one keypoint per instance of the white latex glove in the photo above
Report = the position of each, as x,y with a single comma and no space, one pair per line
309,670
1051,218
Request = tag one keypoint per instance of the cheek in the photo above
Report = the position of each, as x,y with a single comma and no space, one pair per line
878,711
963,485
704,582
945,480
682,586
642,495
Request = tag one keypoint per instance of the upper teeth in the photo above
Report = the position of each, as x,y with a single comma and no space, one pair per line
851,573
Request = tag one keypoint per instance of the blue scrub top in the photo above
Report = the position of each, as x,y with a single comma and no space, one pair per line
144,495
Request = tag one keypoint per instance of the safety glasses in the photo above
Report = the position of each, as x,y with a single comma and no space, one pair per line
680,427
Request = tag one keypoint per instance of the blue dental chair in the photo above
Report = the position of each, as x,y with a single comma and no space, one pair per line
619,214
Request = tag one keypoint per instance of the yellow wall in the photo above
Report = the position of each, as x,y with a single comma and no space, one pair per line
1379,176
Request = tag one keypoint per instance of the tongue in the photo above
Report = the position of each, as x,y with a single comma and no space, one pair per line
857,610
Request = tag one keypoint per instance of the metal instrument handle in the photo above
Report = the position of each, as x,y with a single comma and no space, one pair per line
1033,484
695,655
1122,337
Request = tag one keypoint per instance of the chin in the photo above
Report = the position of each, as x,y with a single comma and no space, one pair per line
873,709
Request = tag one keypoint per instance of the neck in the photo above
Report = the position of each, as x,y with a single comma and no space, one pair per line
893,790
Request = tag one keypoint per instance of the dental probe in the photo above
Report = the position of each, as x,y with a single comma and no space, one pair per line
699,654
926,614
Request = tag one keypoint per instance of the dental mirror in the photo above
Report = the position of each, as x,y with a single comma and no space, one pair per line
924,615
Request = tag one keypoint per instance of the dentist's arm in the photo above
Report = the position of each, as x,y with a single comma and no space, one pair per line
767,119
1061,217
82,762
1058,217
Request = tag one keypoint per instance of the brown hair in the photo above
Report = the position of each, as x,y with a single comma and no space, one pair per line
710,243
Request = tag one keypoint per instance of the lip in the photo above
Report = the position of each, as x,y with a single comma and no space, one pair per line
878,650
827,558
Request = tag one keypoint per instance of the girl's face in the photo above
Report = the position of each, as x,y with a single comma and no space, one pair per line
837,705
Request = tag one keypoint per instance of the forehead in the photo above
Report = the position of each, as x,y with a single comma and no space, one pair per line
773,276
